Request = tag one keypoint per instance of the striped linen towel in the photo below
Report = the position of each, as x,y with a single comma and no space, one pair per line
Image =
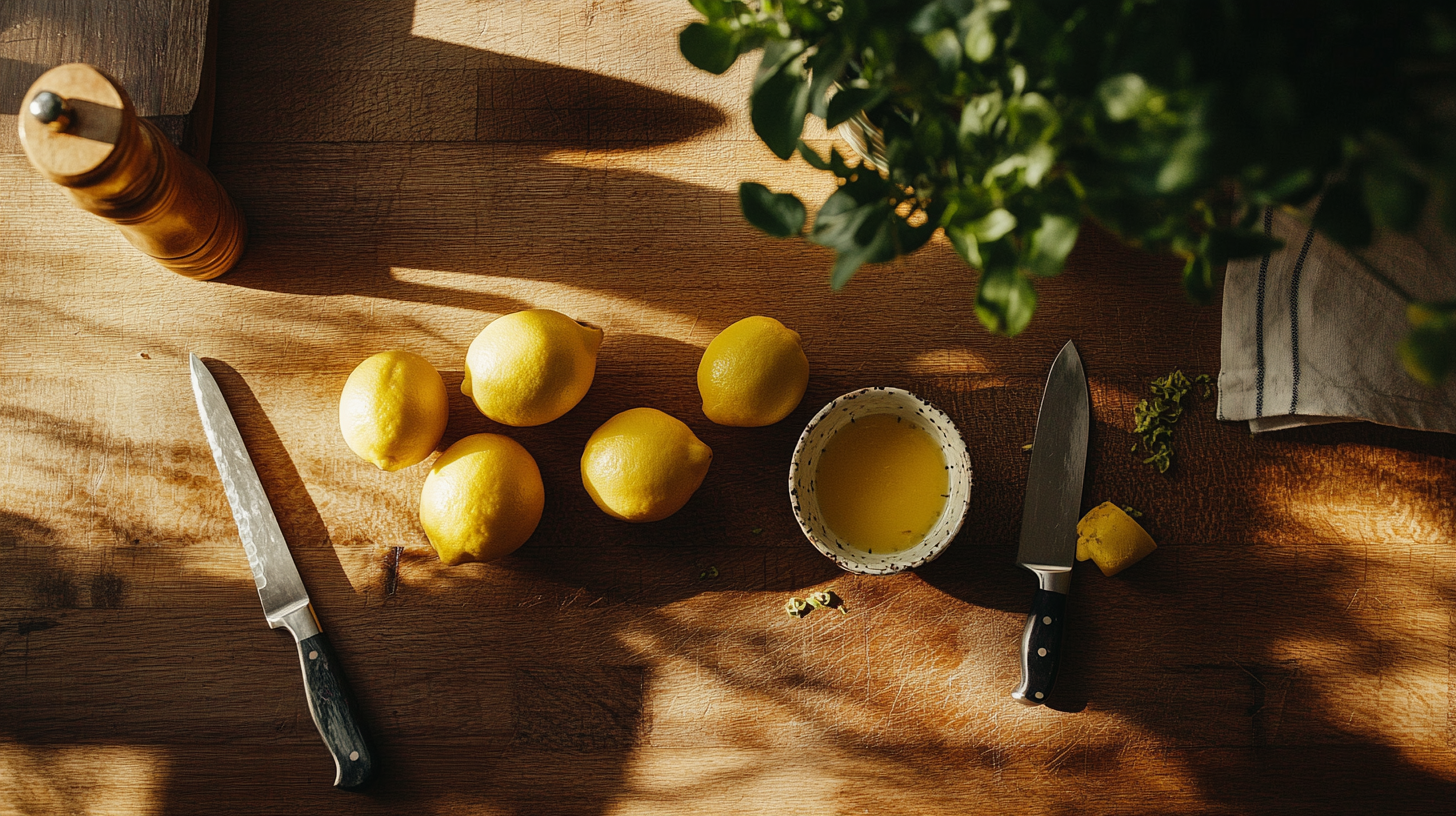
1310,337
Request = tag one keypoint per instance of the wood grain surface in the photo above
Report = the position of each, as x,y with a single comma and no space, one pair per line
411,170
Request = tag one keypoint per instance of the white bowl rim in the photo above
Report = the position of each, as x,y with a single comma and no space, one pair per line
887,564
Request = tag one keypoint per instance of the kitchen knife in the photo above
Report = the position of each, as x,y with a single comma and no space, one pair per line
285,602
1049,519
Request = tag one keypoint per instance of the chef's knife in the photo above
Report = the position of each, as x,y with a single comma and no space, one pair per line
285,602
1049,519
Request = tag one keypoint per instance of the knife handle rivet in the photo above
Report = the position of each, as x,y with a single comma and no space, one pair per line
1041,652
1039,695
353,755
313,655
1047,619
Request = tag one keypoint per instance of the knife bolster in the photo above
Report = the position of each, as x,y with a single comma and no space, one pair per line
1059,581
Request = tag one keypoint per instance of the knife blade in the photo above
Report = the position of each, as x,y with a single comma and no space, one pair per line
1049,519
280,588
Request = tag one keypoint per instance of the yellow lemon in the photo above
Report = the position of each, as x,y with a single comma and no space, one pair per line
754,373
482,499
531,367
394,409
643,465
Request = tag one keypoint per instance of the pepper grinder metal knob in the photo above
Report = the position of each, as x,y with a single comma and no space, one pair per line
79,129
52,110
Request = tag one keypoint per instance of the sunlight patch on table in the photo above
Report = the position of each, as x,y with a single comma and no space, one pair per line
591,39
1335,494
613,313
673,782
1399,701
85,780
949,361
1375,662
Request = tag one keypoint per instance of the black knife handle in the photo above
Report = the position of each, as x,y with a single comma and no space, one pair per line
334,713
1041,646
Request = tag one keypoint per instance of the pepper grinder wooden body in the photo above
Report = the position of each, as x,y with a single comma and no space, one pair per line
80,131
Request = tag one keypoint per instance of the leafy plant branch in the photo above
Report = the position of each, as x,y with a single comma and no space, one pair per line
1173,123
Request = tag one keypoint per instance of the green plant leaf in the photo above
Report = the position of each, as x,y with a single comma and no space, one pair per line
1228,243
1005,301
711,47
812,157
1429,350
1394,197
1039,159
710,8
945,47
930,136
980,40
928,19
980,114
850,101
839,166
1342,215
1186,162
1198,278
1050,244
908,238
844,223
992,225
825,68
778,214
1123,96
879,248
1429,354
778,107
965,244
776,55
859,233
1033,119
866,187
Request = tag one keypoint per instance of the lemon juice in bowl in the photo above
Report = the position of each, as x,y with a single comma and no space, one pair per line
880,481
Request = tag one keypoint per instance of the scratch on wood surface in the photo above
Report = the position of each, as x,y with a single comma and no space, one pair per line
1283,698
900,692
1249,673
1353,596
100,477
1061,756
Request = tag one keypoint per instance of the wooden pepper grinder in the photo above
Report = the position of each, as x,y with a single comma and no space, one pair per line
80,131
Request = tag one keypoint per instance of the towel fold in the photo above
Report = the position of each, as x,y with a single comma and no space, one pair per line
1309,336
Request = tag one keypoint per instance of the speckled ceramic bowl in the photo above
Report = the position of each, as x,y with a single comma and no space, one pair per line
805,466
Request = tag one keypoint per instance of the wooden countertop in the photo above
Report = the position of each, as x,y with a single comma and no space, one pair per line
411,169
